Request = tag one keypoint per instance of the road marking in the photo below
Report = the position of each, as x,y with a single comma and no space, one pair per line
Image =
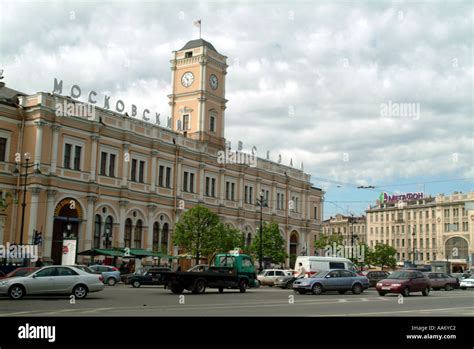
364,300
342,300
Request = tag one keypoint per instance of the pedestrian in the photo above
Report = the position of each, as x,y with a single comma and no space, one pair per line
301,271
38,263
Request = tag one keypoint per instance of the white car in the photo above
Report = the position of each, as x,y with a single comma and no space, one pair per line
467,283
53,280
268,276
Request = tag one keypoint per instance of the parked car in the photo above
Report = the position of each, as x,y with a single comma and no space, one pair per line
285,282
151,277
404,282
52,280
268,276
340,280
22,271
442,281
198,268
467,283
83,268
461,276
375,276
111,274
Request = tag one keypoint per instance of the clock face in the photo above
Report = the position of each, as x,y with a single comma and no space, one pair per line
187,79
213,81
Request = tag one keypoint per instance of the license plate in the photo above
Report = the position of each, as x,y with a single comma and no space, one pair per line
385,287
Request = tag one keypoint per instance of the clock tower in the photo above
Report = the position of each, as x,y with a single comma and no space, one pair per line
198,92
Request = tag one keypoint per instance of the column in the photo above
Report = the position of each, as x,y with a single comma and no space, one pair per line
48,234
221,186
201,182
154,154
95,141
304,204
149,237
274,198
35,191
39,141
258,187
123,206
240,192
126,161
179,176
90,222
54,148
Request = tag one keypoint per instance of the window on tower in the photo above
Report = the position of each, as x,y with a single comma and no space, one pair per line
212,125
188,54
185,122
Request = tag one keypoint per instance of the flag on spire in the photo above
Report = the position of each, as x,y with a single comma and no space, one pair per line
198,24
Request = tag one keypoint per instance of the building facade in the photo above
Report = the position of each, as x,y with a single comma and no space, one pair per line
427,229
351,228
117,181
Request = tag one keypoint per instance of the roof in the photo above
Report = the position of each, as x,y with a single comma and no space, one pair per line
198,43
9,95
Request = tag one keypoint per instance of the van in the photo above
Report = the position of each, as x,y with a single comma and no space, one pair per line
315,264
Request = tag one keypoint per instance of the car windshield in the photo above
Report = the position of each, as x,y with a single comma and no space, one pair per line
400,275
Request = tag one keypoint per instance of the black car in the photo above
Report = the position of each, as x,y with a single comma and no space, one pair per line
150,277
376,276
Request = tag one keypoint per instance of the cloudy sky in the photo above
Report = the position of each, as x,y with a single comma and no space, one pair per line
317,82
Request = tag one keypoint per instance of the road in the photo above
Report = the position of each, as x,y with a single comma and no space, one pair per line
123,300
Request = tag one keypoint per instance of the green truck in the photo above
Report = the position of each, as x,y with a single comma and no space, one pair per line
226,271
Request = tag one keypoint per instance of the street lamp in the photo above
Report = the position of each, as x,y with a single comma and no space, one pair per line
17,171
262,203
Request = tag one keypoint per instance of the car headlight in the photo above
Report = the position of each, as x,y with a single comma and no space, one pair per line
3,283
304,283
379,284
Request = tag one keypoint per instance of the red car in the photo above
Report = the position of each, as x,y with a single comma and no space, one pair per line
23,271
404,282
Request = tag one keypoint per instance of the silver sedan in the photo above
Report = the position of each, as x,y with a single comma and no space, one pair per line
53,280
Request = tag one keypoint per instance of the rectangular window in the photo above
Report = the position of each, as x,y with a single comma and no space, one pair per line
161,174
188,54
246,194
213,187
315,213
191,182
212,126
227,190
141,172
185,181
3,149
133,172
232,191
168,177
278,201
250,195
67,155
103,163
208,184
112,165
77,157
185,122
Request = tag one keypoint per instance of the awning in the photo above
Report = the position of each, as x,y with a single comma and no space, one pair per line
103,252
129,253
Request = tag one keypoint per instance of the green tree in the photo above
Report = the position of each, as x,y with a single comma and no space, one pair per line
196,231
382,255
3,202
224,238
323,241
273,243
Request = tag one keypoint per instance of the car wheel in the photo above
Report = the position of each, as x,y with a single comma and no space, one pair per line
199,286
136,284
341,292
382,294
243,286
80,291
16,292
406,292
221,290
426,291
289,284
357,289
448,287
111,281
317,289
463,288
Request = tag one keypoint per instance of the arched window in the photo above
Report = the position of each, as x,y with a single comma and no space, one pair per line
156,236
128,233
164,238
138,234
109,221
97,228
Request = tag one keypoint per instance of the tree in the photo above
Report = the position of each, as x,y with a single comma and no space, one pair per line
196,231
224,238
326,240
273,243
383,255
3,202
